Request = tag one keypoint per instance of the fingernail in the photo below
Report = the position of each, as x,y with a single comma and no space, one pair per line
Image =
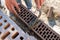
19,10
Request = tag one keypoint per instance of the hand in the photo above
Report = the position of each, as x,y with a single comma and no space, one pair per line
11,4
39,3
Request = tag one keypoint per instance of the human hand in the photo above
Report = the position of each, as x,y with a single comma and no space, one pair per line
11,4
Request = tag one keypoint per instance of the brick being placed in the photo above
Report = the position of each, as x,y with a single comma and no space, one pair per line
26,16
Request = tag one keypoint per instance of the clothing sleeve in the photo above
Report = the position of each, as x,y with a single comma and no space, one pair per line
0,2
3,8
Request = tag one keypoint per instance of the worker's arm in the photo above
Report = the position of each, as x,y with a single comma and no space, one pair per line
11,4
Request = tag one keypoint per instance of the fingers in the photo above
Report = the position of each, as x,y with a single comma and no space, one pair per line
10,7
8,4
16,5
11,4
13,9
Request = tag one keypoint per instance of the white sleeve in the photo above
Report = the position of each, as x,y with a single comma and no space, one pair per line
0,2
6,11
3,3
